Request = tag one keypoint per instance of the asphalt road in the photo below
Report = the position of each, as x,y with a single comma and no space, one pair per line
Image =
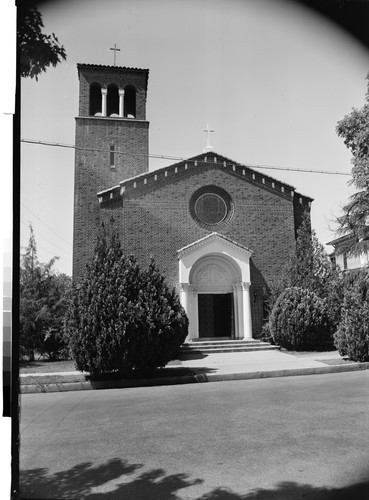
283,438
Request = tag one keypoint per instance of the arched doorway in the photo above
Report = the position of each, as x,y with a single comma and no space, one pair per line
214,280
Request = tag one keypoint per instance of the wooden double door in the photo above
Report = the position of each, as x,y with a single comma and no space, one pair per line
216,315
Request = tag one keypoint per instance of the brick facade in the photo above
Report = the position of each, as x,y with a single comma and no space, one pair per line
154,218
95,137
153,209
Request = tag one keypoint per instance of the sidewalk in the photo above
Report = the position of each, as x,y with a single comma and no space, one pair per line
196,368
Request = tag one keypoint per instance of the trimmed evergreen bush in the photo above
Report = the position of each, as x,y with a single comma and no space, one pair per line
121,318
299,321
352,336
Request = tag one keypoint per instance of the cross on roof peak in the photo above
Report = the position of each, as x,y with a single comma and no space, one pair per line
208,147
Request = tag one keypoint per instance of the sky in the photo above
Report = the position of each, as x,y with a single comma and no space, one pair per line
270,77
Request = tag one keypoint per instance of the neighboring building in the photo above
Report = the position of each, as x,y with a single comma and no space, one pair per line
342,258
218,230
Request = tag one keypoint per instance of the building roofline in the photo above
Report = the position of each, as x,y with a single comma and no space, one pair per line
238,169
105,66
341,239
209,237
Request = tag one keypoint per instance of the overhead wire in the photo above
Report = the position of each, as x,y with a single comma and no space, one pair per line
178,158
49,228
38,234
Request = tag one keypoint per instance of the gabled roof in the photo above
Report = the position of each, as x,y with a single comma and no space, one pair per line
213,237
205,160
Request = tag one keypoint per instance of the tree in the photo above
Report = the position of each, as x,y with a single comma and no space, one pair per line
308,265
52,316
354,129
122,319
308,268
352,336
37,50
42,304
299,320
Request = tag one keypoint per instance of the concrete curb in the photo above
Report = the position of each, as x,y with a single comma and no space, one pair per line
189,379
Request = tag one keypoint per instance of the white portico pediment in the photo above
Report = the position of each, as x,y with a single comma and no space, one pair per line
215,244
216,265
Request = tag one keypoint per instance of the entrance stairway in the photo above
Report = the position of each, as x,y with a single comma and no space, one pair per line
218,346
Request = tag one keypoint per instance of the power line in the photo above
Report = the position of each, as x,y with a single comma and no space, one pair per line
52,243
49,228
178,158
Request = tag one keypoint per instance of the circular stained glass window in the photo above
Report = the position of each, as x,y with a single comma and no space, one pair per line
210,208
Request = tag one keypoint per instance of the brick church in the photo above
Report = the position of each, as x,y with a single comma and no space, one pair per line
218,230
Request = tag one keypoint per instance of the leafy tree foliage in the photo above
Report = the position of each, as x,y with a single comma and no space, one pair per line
299,320
307,267
354,129
352,336
308,276
42,304
121,318
37,50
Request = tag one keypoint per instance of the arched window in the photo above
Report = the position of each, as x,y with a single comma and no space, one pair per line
130,102
112,100
95,99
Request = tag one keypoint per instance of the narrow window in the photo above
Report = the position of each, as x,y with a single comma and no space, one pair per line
112,156
95,99
112,100
130,102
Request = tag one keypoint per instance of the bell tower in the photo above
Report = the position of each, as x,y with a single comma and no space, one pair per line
112,144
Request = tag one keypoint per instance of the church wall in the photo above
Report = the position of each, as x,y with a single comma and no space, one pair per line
93,173
157,222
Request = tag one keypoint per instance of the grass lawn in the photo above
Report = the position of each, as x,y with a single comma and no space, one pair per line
52,379
44,366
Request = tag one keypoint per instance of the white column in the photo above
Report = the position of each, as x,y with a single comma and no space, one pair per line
187,302
103,101
183,287
194,314
121,103
246,306
236,308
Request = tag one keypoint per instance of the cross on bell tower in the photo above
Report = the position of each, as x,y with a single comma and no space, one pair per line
115,52
112,104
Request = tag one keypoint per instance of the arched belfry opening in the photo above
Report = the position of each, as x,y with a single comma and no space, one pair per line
112,100
130,102
95,99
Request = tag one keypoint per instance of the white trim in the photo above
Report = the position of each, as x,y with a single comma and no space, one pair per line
215,264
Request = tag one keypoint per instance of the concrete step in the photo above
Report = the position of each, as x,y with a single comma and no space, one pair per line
207,347
223,343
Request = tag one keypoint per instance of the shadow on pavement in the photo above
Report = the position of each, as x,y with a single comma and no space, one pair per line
84,481
161,373
191,355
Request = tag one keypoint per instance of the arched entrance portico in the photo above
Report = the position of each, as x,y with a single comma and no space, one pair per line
214,282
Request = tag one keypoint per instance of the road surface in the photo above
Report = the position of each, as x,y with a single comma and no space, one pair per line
282,438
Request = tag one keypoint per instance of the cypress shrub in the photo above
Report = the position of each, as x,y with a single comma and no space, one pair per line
299,321
352,336
123,319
